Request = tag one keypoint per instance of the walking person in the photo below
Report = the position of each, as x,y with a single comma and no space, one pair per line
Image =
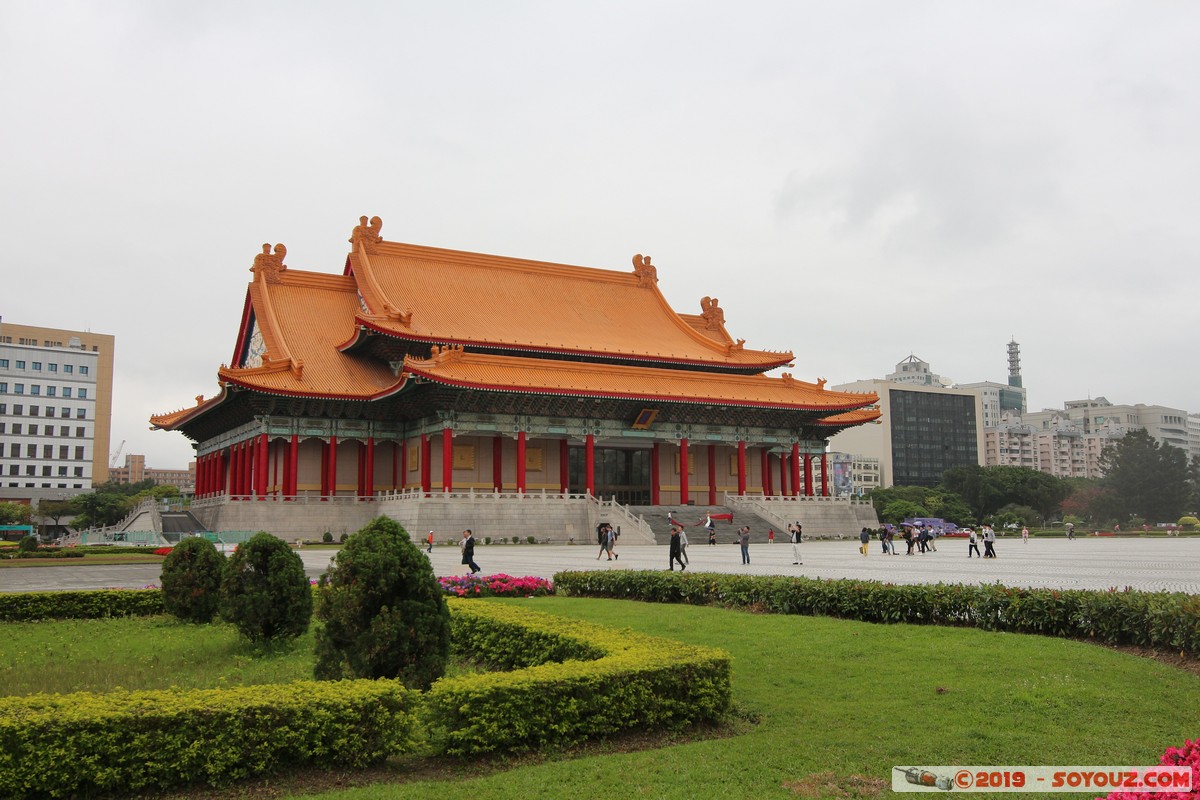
989,542
1025,533
770,536
676,550
865,540
467,543
745,543
891,539
610,541
908,540
794,532
602,539
683,543
882,533
972,543
429,542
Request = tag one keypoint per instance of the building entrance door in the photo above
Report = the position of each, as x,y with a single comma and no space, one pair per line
620,473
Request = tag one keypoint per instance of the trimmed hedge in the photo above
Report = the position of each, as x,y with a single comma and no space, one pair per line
608,681
573,681
119,742
91,604
1163,620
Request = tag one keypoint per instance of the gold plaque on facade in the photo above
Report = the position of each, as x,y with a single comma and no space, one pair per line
533,459
414,457
464,456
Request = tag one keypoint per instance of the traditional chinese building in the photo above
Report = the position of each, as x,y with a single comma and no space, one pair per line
421,372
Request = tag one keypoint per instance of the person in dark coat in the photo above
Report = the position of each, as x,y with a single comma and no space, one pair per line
468,550
676,551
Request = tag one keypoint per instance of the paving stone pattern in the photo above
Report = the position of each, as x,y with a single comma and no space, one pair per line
1085,563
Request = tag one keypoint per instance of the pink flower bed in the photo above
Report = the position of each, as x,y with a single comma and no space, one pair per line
499,585
1186,756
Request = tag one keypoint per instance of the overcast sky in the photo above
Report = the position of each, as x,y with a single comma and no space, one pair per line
855,181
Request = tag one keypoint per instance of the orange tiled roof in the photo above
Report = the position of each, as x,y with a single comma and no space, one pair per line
172,420
454,367
448,296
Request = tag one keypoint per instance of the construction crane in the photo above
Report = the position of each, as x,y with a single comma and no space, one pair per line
112,462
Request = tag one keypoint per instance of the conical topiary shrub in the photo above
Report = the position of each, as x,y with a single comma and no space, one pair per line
191,580
384,614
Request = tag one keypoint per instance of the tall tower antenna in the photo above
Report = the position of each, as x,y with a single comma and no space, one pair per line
1014,364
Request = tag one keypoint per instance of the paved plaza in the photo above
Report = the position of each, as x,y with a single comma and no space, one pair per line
1086,563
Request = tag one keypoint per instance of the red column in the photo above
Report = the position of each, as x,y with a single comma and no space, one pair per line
741,468
324,469
260,488
247,468
333,466
447,459
236,459
808,481
426,467
564,466
784,488
589,460
360,468
219,471
824,476
498,464
795,468
683,471
520,462
766,468
712,474
370,478
290,479
655,485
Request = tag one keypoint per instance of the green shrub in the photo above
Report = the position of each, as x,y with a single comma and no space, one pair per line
342,539
191,580
264,591
27,544
28,606
385,614
1162,620
83,744
531,539
487,540
574,680
327,537
1189,523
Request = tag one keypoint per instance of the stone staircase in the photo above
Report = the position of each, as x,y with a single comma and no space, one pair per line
689,516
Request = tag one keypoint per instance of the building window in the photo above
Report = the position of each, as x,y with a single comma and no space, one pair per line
37,366
34,410
79,454
13,469
33,429
63,451
83,370
65,413
64,431
80,413
20,365
3,408
52,367
18,409
79,432
31,451
14,450
79,472
18,388
47,451
51,391
17,428
82,394
49,411
35,388
68,368
66,391
62,472
3,363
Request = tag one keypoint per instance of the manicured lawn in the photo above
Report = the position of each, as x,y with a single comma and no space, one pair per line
86,561
850,698
830,696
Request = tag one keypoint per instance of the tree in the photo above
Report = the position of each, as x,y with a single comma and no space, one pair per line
264,590
1148,479
930,502
897,511
385,614
1193,504
15,514
988,489
54,510
191,580
97,509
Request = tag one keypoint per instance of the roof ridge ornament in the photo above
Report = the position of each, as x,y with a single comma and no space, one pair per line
713,314
367,234
646,273
268,265
446,354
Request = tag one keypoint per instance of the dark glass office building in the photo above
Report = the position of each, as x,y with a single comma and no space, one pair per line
931,433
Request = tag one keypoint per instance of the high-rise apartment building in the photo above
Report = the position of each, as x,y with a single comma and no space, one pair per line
55,410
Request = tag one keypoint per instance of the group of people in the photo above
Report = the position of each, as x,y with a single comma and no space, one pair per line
989,542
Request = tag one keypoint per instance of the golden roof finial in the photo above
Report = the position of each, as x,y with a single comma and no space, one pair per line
367,233
268,265
646,273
